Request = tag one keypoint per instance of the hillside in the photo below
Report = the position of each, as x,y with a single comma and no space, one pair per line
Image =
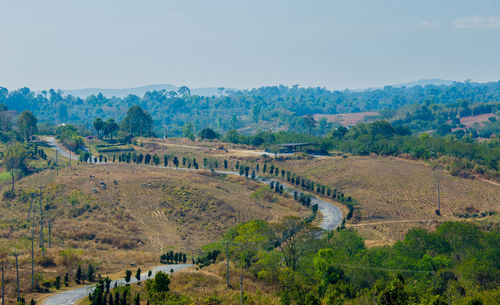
397,194
132,221
139,91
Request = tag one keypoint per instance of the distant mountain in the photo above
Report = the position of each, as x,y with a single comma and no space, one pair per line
139,91
425,82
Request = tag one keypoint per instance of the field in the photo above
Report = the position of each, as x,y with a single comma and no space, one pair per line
143,211
346,119
468,121
397,194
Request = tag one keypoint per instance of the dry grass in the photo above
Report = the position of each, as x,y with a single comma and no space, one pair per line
397,194
468,121
346,119
208,282
131,222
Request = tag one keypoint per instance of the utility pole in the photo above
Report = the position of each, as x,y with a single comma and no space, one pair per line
49,235
17,274
241,290
3,285
57,163
32,253
41,223
227,256
29,212
438,211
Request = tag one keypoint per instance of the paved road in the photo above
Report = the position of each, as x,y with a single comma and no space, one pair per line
56,146
332,217
71,296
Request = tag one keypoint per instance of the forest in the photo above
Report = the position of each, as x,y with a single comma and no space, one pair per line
269,108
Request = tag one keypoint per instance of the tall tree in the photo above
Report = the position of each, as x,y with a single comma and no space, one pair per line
110,127
137,122
98,126
26,124
5,119
14,157
188,131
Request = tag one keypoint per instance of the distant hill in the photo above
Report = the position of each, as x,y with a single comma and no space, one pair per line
425,82
139,91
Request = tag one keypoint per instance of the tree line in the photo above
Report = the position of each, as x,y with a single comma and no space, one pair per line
273,106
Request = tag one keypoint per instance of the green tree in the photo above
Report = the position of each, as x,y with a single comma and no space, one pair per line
26,124
309,122
128,275
90,273
138,275
137,122
159,283
188,131
395,294
208,134
79,275
14,158
98,126
110,127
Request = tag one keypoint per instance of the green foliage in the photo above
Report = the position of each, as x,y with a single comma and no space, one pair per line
128,275
188,131
14,158
69,137
26,124
159,283
208,133
448,265
137,122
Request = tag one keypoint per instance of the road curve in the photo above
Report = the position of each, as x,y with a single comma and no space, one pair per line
332,217
71,296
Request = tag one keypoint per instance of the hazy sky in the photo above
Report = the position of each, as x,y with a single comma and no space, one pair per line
242,44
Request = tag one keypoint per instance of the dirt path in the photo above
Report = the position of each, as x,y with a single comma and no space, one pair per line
386,222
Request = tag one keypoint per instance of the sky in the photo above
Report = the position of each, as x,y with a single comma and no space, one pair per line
70,44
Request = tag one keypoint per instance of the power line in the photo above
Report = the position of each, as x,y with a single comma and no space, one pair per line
384,269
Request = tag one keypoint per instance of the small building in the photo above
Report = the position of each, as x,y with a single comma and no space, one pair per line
294,147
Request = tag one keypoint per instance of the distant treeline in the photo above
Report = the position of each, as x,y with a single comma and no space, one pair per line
462,157
265,107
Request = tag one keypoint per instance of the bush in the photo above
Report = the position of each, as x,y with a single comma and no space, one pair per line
46,261
159,283
9,195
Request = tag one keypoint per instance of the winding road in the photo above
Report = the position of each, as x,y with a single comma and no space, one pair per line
332,217
71,296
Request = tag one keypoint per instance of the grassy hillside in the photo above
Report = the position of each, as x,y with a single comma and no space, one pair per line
396,194
130,222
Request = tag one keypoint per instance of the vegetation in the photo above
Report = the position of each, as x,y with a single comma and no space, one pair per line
26,124
453,264
273,107
459,156
69,137
14,160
